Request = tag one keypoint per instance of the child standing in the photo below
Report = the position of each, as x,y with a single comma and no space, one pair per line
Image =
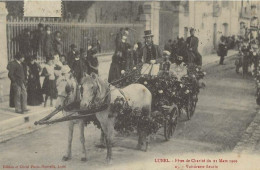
49,84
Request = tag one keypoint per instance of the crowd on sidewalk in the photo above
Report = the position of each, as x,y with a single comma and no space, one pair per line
25,72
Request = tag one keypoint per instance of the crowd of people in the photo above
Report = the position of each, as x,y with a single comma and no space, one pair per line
25,72
125,57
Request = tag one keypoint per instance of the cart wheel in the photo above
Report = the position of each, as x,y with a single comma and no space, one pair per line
170,124
188,108
193,104
237,69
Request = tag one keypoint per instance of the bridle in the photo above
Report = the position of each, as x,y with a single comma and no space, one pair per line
105,99
95,92
66,97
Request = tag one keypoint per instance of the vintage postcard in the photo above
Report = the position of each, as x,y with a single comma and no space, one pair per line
130,85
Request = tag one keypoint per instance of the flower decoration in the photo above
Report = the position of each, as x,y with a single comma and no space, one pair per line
160,91
173,90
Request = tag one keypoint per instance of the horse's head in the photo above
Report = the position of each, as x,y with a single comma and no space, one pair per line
91,89
66,86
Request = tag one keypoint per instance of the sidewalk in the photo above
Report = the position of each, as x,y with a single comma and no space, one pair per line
212,58
13,124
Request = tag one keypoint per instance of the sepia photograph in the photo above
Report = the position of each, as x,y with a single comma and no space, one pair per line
130,85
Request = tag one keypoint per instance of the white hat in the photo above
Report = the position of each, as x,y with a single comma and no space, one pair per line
65,69
166,53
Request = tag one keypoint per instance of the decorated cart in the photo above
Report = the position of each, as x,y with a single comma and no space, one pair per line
171,96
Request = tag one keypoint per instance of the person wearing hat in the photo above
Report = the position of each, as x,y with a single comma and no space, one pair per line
126,31
123,47
150,50
135,54
37,39
245,49
222,50
71,55
179,68
119,36
165,66
18,82
57,43
34,86
117,64
92,61
78,67
168,45
192,43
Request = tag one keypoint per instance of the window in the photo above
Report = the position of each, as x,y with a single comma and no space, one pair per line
225,4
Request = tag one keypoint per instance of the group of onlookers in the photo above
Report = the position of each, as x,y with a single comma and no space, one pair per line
25,72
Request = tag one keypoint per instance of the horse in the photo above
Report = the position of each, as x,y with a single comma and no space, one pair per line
95,90
67,94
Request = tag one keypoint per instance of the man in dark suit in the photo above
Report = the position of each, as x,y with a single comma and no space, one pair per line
38,38
18,81
150,50
193,43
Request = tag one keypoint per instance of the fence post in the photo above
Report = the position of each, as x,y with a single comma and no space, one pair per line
3,39
3,50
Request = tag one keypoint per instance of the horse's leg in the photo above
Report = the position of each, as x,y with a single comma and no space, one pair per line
109,139
82,140
70,136
102,139
107,124
145,137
